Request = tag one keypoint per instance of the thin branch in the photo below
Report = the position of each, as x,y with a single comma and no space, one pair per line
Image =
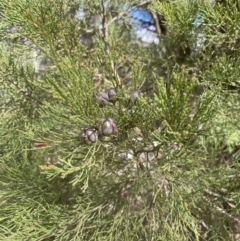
104,21
105,25
105,39
124,12
234,218
158,29
214,194
116,18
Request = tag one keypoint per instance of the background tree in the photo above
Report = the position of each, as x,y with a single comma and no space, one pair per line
106,135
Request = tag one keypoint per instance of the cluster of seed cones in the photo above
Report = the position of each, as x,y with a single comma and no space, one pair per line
106,127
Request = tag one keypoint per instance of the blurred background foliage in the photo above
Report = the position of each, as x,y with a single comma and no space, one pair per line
171,170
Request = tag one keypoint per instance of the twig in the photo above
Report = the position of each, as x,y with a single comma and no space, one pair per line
116,18
213,194
204,225
234,218
39,144
105,38
124,12
105,25
104,21
158,29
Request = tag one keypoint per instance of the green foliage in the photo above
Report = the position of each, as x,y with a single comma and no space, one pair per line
170,172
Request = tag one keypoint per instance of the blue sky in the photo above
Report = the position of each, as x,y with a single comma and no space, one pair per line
142,23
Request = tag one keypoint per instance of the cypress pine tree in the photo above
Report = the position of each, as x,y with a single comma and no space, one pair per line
115,127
